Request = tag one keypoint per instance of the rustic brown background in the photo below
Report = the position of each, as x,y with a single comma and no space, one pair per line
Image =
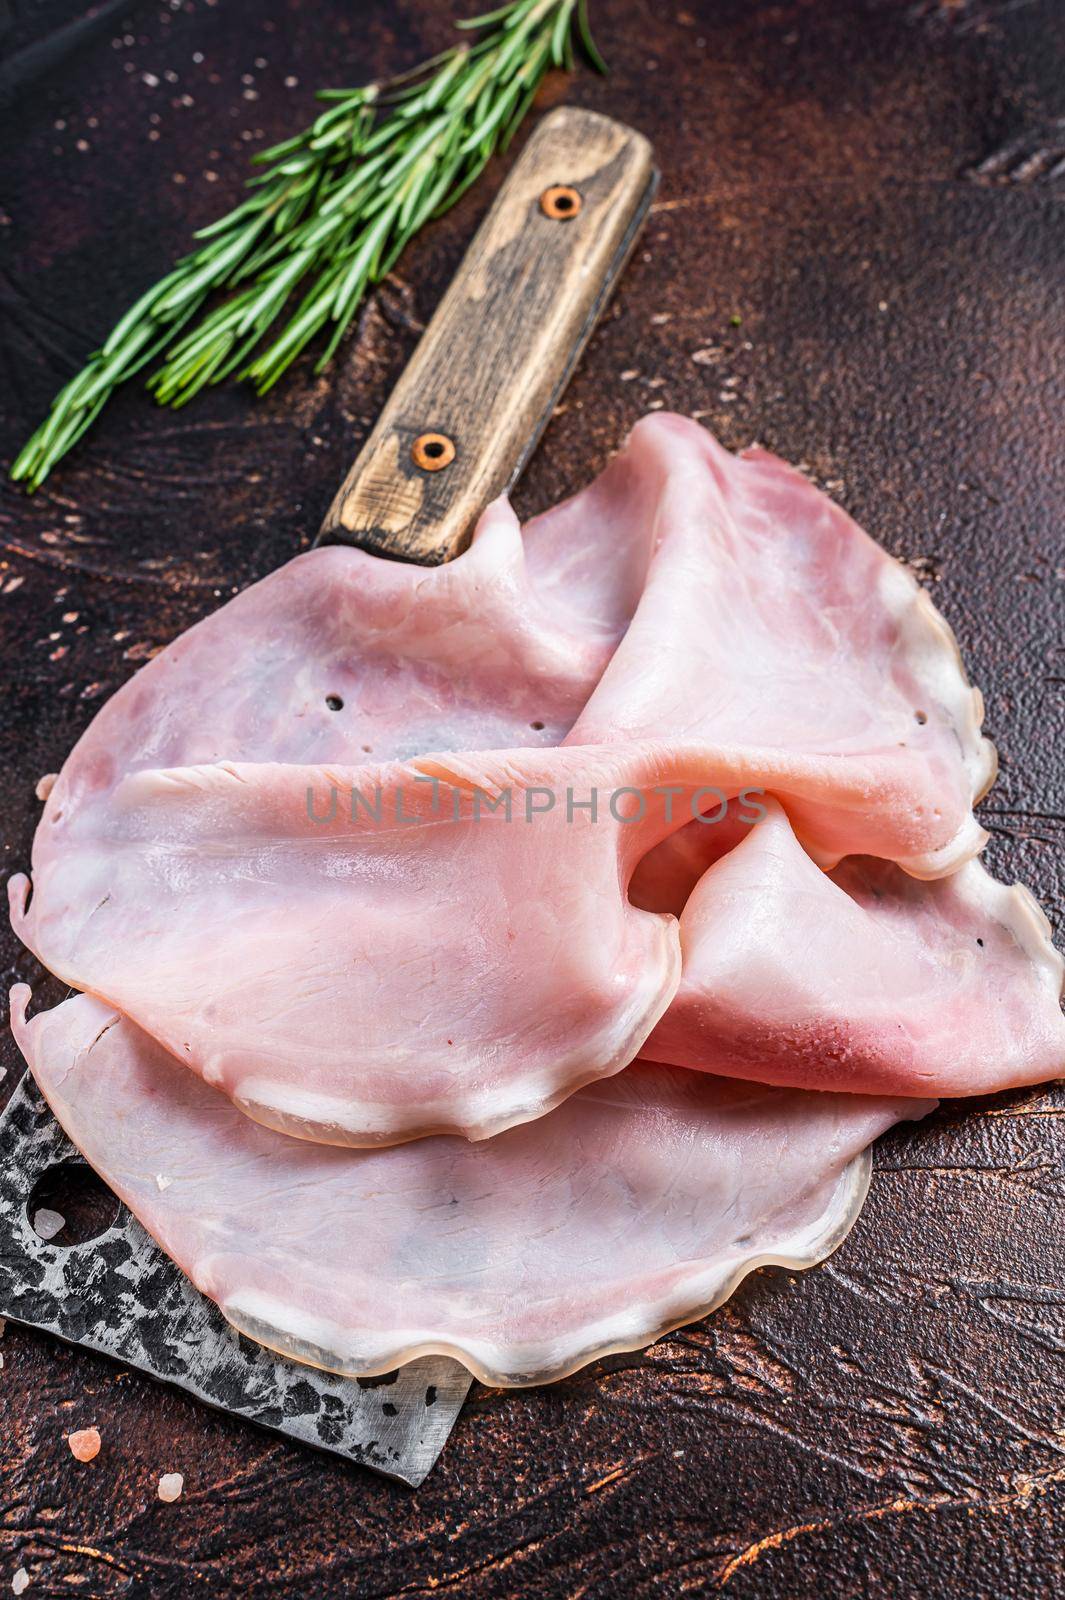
870,187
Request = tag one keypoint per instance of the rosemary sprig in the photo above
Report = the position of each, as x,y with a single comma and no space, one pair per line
324,221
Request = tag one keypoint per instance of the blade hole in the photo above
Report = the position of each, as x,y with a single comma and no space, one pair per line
72,1190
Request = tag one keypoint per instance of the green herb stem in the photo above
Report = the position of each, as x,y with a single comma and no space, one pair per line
323,223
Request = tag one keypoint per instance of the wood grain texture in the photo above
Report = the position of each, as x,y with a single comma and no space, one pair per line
497,354
892,1425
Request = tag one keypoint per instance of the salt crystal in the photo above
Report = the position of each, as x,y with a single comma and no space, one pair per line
162,1182
46,1224
170,1486
84,1444
21,1581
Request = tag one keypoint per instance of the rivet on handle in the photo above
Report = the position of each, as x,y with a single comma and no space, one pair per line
561,202
432,451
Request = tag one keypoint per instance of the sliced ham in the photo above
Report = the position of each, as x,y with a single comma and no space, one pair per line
772,628
389,971
765,632
336,948
634,1207
861,979
340,656
328,867
364,984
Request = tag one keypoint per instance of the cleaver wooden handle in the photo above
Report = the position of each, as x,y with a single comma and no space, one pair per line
481,385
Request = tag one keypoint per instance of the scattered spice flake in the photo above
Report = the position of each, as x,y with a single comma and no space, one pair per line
46,1223
84,1444
21,1581
45,785
171,1485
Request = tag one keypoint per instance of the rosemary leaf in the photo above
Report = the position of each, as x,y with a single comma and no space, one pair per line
326,215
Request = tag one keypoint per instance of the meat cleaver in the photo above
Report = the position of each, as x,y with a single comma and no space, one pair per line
456,432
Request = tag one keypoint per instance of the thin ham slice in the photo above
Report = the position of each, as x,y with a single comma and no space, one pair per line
410,964
861,979
340,656
633,1208
765,632
772,628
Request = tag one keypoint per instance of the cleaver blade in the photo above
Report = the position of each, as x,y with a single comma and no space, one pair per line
119,1294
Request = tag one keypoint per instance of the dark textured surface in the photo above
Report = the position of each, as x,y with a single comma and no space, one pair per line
870,188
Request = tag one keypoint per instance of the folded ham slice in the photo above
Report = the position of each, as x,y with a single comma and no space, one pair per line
415,962
633,1208
764,629
861,979
774,629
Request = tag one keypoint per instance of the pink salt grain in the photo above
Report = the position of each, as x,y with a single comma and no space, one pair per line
84,1444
